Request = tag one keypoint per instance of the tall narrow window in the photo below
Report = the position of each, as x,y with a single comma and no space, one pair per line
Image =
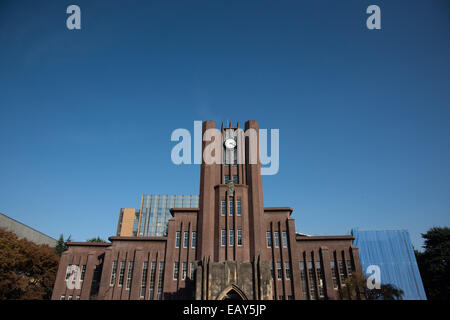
334,275
75,273
341,270
194,239
303,281
321,276
285,242
184,271
83,272
121,273
231,212
113,273
227,179
349,268
224,238
239,237
178,239
312,281
68,270
160,280
235,178
186,240
223,207
130,274
239,208
279,271
287,266
144,279
152,281
192,270
269,239
277,239
231,238
175,270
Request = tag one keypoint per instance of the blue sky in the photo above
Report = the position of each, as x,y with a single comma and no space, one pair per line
364,116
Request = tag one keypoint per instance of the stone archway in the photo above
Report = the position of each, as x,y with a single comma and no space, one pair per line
232,292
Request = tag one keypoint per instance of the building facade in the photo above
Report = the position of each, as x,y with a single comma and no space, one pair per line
229,247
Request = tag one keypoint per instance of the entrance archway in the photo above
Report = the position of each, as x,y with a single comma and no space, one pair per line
232,293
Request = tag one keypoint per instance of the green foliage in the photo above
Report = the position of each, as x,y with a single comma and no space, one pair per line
434,263
355,287
98,239
61,245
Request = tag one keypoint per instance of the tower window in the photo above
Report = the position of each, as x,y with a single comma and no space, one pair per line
239,207
224,238
269,239
223,207
178,239
239,237
231,239
186,239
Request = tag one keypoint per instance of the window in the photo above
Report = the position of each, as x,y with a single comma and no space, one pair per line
287,266
224,207
224,238
75,272
321,279
121,273
334,275
160,280
69,268
70,297
231,212
290,297
303,281
78,297
341,270
277,239
184,271
178,239
235,178
83,272
269,239
186,240
113,273
349,268
281,298
194,239
231,239
175,270
144,279
151,289
285,239
192,270
63,297
279,271
312,281
130,274
239,207
239,237
227,179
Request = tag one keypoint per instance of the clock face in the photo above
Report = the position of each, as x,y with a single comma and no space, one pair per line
230,143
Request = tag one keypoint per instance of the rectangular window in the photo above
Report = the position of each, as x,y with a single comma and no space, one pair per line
224,208
184,271
235,157
227,179
121,273
312,281
235,178
341,270
130,274
160,280
192,270
186,240
279,271
175,270
113,273
78,297
63,297
349,268
178,239
334,275
321,276
224,238
231,239
194,239
239,237
83,272
239,207
303,281
277,239
144,279
287,266
285,242
152,281
68,270
70,297
75,272
231,212
269,239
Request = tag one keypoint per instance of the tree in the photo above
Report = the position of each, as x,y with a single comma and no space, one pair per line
434,263
355,287
27,270
98,239
61,245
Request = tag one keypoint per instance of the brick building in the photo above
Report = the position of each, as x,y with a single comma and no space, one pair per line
230,247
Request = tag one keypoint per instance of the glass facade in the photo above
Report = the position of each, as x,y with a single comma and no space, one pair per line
155,212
